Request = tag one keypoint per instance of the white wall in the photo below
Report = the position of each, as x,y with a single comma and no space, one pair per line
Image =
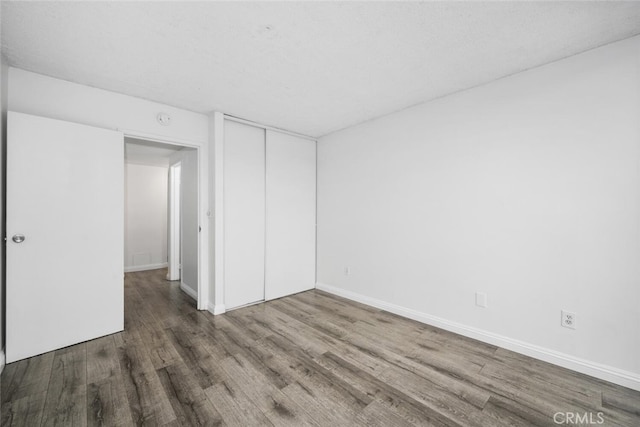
40,95
188,159
145,242
527,188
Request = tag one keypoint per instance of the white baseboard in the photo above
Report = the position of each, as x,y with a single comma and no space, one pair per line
134,268
2,360
216,309
187,290
604,372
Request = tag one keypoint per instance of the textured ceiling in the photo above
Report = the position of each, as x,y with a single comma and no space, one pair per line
307,67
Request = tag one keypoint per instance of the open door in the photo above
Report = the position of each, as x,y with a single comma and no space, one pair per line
65,196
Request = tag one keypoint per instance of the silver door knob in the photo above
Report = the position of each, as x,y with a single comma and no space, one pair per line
18,238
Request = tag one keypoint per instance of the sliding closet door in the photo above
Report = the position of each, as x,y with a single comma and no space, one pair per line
290,215
244,205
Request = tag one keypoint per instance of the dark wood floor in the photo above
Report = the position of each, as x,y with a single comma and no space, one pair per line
308,359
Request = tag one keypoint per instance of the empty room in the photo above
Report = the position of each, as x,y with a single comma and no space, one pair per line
320,213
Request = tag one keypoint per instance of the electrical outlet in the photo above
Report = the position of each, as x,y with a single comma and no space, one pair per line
568,319
347,271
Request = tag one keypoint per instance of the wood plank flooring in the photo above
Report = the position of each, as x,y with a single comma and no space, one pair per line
309,359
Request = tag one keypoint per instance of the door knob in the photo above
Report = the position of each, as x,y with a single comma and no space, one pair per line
18,238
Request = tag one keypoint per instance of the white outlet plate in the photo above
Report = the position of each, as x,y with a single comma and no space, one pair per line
347,271
568,319
481,299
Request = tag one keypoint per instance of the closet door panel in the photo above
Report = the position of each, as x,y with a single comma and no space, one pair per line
290,215
244,207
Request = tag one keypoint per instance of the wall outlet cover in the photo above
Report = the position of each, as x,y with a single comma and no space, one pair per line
481,299
568,319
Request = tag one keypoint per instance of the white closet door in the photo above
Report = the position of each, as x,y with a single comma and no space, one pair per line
244,228
290,215
65,223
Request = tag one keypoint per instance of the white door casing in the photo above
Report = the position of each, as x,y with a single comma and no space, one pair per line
65,194
173,271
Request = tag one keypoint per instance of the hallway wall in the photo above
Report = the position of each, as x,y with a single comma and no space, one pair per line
145,246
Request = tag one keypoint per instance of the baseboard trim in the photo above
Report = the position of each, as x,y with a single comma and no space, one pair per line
134,268
216,309
603,372
187,290
2,360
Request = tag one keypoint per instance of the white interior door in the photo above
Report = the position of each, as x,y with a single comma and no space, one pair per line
290,215
244,205
65,195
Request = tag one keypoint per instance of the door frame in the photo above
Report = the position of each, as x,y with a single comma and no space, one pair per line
203,213
175,232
